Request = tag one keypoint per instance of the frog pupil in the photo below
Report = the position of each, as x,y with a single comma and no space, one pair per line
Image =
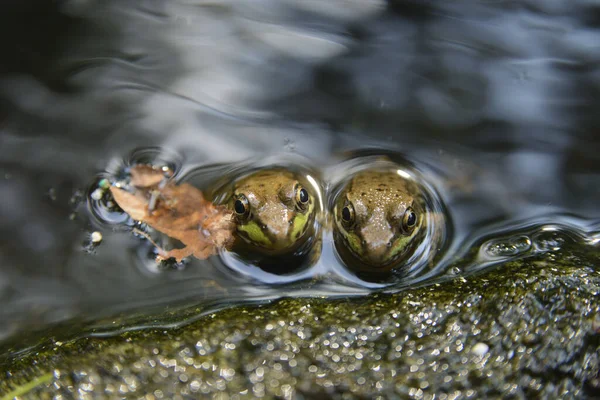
303,196
412,219
346,214
239,207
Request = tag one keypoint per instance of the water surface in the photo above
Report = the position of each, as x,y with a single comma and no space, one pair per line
494,104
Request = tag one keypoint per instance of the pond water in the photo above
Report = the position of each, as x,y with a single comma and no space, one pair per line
492,105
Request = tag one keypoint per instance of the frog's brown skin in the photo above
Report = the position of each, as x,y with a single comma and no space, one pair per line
278,216
377,215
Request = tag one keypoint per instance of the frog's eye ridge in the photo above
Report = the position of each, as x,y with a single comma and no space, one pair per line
409,221
241,206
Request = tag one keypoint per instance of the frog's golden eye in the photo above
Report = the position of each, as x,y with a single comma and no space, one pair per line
301,196
347,215
409,221
241,206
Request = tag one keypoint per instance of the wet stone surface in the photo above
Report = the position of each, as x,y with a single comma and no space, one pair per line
526,329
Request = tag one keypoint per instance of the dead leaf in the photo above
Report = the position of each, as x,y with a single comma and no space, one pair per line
178,211
144,176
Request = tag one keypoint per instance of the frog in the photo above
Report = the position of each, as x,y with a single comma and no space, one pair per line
274,211
378,217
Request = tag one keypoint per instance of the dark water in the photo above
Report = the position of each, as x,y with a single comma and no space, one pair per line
494,104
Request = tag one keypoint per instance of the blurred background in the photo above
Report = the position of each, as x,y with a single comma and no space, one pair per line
503,94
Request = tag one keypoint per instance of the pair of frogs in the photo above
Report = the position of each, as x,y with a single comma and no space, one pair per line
375,215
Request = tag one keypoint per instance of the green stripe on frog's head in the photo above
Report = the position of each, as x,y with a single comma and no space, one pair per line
303,219
254,233
401,244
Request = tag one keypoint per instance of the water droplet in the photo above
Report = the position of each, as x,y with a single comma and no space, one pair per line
96,237
92,241
506,247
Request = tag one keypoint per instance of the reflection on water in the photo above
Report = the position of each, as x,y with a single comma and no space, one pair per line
495,104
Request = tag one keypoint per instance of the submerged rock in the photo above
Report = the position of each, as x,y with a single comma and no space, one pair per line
529,328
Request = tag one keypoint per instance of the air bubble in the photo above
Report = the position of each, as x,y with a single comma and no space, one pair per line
548,239
96,237
506,247
92,241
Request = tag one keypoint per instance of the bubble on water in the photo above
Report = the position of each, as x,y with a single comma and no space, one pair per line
96,237
506,247
92,241
549,238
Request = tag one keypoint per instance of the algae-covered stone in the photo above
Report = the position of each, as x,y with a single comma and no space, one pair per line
526,329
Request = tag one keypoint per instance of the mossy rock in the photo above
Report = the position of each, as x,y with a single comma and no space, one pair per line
526,329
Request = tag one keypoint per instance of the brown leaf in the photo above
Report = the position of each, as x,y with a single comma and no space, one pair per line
144,176
178,211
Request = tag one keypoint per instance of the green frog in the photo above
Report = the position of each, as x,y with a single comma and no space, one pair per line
378,219
378,216
274,211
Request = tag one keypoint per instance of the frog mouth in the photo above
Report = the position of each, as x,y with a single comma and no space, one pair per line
376,265
272,244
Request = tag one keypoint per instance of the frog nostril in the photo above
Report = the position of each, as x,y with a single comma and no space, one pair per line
389,244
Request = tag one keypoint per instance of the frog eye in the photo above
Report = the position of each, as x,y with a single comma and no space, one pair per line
348,215
241,206
409,221
301,196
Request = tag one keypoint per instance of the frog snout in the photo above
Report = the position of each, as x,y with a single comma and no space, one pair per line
280,234
376,238
277,225
376,254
